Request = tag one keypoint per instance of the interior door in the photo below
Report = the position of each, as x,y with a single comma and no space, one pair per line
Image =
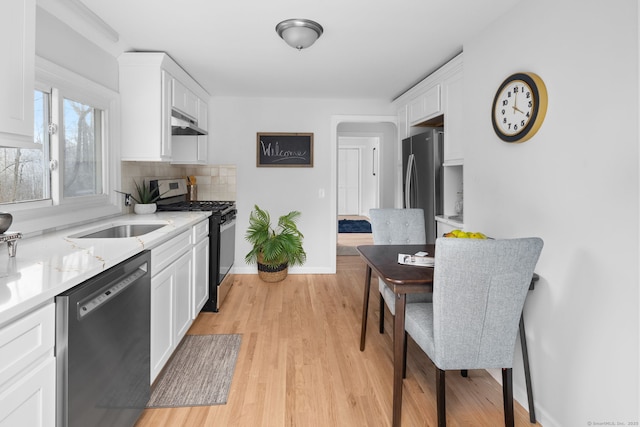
349,181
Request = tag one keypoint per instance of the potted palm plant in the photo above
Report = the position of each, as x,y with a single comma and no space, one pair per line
274,249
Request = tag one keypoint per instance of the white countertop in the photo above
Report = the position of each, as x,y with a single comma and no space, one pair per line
47,265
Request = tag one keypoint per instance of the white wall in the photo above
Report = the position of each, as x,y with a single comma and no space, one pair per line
234,123
575,184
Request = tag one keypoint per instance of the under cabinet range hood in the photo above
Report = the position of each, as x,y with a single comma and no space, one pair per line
184,125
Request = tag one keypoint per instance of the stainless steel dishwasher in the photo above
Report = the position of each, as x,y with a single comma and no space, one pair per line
102,347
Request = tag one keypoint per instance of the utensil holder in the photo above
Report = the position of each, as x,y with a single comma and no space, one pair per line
192,192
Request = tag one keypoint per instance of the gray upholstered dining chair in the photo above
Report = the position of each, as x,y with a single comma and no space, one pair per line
479,289
397,227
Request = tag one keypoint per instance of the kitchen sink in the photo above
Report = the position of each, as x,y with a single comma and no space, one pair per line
119,231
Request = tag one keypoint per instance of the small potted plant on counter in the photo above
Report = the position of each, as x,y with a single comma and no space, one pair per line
274,249
146,198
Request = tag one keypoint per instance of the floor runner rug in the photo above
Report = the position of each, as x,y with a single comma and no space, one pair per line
199,374
354,226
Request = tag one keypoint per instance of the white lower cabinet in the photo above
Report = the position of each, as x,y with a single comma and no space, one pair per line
28,370
179,289
200,268
31,400
170,310
183,295
162,339
170,298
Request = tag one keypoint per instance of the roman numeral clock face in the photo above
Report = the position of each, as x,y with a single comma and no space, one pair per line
519,107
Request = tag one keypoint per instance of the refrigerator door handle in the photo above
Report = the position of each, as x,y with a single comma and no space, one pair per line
407,181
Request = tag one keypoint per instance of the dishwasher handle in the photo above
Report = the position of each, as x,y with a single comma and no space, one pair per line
94,302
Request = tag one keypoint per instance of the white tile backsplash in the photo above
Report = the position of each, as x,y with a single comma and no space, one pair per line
215,182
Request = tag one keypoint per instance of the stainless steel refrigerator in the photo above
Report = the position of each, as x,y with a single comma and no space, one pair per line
422,156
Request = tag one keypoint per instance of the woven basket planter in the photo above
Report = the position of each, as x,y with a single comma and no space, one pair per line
272,274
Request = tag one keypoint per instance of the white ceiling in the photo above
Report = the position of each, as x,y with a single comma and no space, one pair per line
369,49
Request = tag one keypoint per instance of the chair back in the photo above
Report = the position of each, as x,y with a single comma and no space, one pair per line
479,289
398,226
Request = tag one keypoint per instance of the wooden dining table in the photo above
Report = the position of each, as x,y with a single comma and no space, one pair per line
406,279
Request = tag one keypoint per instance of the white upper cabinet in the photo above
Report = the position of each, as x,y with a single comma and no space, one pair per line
17,41
165,115
436,100
184,100
426,105
193,150
403,123
151,86
453,117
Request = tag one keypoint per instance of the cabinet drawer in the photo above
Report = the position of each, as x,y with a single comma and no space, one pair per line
200,231
26,340
169,251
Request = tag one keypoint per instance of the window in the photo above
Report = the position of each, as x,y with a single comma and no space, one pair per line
82,150
23,172
77,163
70,175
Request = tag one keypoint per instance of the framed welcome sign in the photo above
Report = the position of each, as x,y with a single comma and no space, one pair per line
284,149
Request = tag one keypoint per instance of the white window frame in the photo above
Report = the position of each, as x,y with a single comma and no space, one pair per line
45,215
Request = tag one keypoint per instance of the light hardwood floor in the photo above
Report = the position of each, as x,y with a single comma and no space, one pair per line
300,363
347,242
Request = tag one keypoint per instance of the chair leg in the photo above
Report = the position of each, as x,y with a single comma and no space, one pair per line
507,396
381,314
527,370
404,356
442,415
464,373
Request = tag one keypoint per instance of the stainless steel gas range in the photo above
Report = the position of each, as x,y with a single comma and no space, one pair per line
222,234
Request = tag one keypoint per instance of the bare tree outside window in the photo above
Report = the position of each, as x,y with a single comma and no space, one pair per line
22,171
82,150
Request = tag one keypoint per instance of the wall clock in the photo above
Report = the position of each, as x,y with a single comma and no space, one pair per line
519,107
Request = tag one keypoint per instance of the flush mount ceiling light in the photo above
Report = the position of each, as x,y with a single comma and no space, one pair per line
299,33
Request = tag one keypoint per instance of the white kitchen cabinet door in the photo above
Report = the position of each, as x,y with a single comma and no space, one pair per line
17,41
171,282
28,373
425,106
184,100
151,85
183,284
145,104
162,319
31,399
165,116
200,276
202,155
403,123
453,118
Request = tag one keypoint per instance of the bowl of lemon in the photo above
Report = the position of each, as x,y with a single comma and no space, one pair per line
465,234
